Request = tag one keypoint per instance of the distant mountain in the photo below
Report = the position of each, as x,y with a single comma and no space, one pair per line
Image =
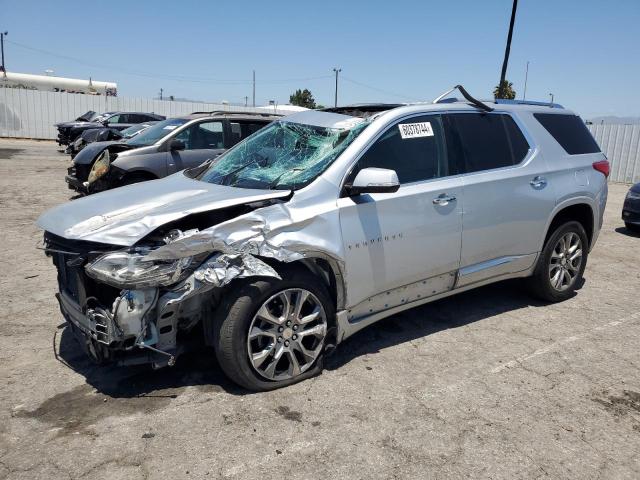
613,119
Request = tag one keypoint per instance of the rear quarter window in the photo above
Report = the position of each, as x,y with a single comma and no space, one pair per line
569,131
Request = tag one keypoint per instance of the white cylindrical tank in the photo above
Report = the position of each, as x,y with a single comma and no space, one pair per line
57,84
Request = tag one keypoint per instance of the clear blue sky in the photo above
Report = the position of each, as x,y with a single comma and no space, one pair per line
584,51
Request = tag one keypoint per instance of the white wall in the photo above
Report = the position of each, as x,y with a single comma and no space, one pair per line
31,114
621,145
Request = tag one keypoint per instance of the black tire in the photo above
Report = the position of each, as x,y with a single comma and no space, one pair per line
540,282
632,227
227,326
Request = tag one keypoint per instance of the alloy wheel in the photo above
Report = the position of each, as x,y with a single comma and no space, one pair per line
565,262
287,334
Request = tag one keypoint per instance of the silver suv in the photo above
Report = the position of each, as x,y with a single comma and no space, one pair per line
324,222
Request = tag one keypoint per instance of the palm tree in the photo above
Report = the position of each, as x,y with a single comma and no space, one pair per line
506,91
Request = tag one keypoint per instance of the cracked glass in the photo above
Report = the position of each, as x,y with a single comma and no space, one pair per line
283,155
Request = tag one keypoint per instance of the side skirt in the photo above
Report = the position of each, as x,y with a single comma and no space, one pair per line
355,319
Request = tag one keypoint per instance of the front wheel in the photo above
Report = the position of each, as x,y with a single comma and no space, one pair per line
561,263
269,333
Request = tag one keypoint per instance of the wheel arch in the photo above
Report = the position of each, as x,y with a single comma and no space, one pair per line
581,210
323,266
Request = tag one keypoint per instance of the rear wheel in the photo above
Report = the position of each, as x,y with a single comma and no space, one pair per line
269,333
561,264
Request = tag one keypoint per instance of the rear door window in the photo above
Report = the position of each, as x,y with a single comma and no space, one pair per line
481,141
414,148
241,130
135,118
203,135
569,131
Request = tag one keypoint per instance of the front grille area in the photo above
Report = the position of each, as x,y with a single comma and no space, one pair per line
80,171
70,258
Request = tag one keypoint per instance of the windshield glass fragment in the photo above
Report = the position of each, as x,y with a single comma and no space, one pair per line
283,155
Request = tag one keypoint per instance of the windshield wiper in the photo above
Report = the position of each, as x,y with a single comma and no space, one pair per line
195,171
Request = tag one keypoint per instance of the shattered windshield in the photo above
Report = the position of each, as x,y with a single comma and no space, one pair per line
283,155
160,130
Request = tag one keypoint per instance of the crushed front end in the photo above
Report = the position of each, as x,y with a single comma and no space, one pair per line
130,308
128,325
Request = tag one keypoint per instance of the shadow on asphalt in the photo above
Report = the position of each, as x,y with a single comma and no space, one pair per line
198,367
628,233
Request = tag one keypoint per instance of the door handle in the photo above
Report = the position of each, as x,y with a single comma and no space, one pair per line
538,182
443,199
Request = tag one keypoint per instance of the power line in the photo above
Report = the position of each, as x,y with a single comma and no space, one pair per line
179,78
379,89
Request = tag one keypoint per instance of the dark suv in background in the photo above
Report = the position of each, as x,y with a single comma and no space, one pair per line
69,131
163,149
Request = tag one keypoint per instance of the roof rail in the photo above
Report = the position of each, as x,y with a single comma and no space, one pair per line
505,101
229,112
476,103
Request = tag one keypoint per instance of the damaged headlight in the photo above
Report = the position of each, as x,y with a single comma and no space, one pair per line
100,167
135,270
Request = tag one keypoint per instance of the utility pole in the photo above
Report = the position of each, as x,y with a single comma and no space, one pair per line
254,89
526,76
2,34
507,50
161,94
337,71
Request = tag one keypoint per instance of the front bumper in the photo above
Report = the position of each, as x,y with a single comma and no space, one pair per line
631,211
98,327
74,184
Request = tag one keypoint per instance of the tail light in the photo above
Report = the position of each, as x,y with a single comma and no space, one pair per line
602,166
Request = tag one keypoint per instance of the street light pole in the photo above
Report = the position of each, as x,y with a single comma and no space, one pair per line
526,77
551,95
507,50
254,89
337,71
2,34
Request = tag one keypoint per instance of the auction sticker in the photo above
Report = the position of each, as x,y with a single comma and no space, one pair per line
415,130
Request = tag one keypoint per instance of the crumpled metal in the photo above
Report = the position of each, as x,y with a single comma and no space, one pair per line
221,269
249,234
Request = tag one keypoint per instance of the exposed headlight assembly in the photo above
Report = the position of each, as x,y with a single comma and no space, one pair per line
133,270
100,167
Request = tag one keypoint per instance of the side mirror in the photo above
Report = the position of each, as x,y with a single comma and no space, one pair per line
374,180
106,123
176,144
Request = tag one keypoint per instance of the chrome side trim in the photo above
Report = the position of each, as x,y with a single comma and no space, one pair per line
494,267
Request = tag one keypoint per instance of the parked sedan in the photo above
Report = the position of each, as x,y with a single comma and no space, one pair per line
104,135
631,209
165,148
69,131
